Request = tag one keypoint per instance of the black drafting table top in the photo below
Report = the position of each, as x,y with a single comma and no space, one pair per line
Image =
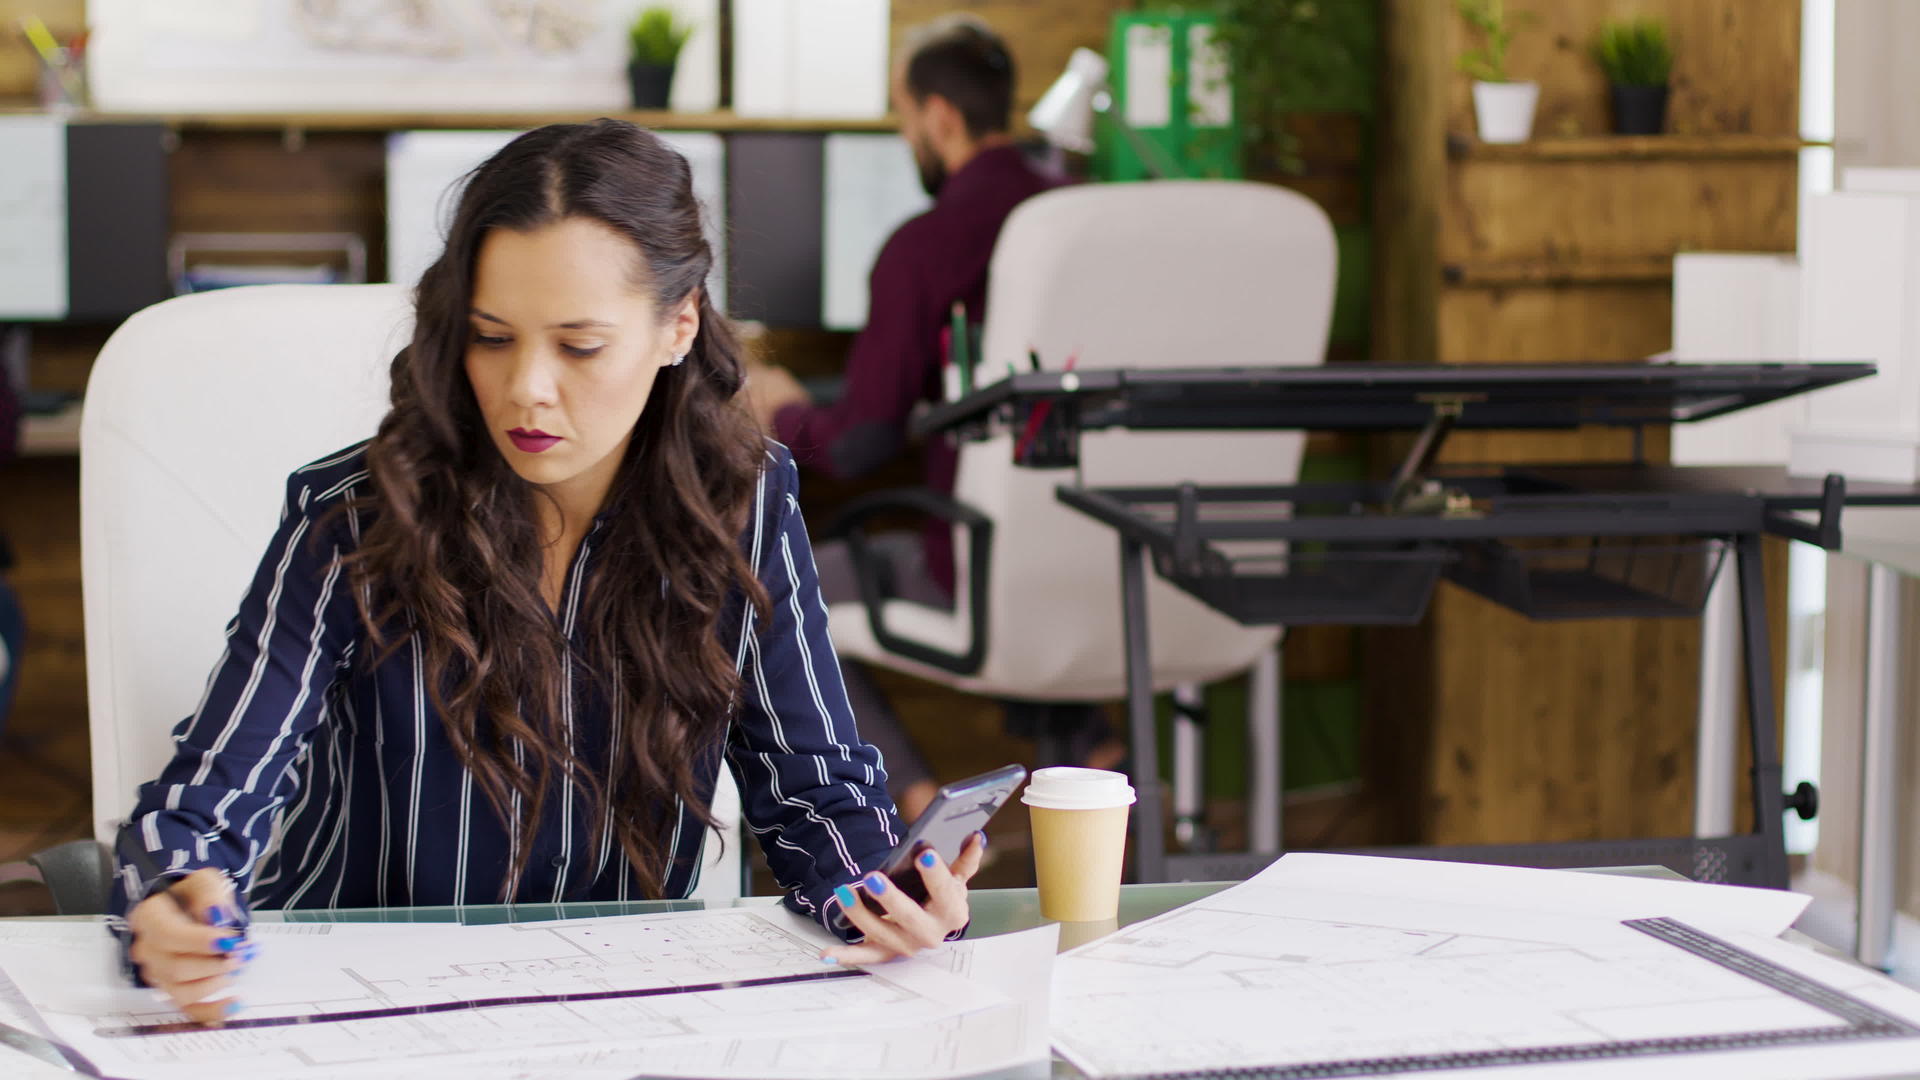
1780,489
1381,397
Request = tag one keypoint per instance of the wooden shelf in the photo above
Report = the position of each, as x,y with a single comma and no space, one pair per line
725,121
51,435
1494,273
1630,147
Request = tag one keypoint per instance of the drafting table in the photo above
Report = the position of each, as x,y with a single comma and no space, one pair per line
1504,533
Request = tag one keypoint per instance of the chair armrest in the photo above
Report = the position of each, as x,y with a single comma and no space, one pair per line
850,524
78,874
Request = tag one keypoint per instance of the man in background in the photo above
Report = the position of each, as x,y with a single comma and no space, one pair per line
953,93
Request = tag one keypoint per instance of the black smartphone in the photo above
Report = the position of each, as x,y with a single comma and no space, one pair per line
957,812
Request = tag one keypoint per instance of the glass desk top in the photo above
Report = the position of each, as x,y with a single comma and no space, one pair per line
995,911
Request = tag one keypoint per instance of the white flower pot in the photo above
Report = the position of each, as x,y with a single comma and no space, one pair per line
1504,111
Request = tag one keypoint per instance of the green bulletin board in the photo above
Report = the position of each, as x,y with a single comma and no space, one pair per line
1171,85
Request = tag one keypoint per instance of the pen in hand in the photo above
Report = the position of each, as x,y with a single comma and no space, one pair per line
190,943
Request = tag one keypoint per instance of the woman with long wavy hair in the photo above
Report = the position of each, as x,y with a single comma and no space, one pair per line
501,651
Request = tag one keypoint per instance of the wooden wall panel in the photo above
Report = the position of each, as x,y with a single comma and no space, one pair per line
1516,731
1555,731
1335,155
1554,323
1736,64
1042,34
1611,209
1409,179
254,181
46,739
1532,325
1558,731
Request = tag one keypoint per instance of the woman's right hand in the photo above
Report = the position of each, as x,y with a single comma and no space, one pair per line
187,943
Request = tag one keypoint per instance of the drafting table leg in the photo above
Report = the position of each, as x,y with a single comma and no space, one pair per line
1769,802
1190,767
1719,724
1880,771
1149,847
1264,797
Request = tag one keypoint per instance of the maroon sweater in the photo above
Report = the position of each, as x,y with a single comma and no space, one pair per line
929,262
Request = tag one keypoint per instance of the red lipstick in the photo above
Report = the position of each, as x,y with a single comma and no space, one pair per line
532,441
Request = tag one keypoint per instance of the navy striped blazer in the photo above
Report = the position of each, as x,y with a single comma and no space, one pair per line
314,778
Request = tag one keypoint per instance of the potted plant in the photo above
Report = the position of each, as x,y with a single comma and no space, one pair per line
1502,108
1292,57
1638,61
657,35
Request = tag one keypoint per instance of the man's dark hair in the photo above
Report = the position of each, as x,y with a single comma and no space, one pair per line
964,61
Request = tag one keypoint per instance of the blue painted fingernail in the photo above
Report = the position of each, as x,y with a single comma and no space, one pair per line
927,859
829,959
877,884
844,895
982,834
228,944
232,1007
219,916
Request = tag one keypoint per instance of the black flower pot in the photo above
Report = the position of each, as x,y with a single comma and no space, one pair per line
1639,110
650,84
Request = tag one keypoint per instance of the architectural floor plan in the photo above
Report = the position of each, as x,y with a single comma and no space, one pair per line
712,993
1287,977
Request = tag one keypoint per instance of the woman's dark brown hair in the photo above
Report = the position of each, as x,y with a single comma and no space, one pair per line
453,558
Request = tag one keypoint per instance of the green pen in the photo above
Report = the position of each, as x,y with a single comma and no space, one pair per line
961,357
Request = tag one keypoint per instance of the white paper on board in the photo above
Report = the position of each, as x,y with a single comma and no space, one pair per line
871,187
33,217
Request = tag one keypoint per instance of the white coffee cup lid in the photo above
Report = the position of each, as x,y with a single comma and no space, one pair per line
1064,788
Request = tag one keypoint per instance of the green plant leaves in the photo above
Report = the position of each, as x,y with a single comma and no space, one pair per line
1497,25
657,36
1295,56
1634,53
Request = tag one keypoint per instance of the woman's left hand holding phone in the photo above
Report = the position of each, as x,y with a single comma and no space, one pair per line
907,928
187,943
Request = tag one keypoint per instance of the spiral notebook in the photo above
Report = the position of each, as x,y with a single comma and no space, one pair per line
1321,971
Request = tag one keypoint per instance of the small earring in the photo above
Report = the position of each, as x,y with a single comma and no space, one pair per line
678,359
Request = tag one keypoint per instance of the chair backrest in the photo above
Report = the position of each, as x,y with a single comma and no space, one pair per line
197,409
1150,275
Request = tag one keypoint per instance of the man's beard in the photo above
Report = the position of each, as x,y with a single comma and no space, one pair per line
933,171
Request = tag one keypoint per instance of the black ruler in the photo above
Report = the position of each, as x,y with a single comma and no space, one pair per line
187,1027
1861,1022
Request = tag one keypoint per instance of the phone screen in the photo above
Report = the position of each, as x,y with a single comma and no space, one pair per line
957,812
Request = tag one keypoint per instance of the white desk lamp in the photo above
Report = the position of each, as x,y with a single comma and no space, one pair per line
1065,114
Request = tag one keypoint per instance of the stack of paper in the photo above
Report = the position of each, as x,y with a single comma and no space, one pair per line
725,993
1345,966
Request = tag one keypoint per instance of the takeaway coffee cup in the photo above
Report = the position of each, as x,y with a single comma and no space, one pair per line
1079,839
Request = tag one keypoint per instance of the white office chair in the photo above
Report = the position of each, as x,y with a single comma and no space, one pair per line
1150,275
196,411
